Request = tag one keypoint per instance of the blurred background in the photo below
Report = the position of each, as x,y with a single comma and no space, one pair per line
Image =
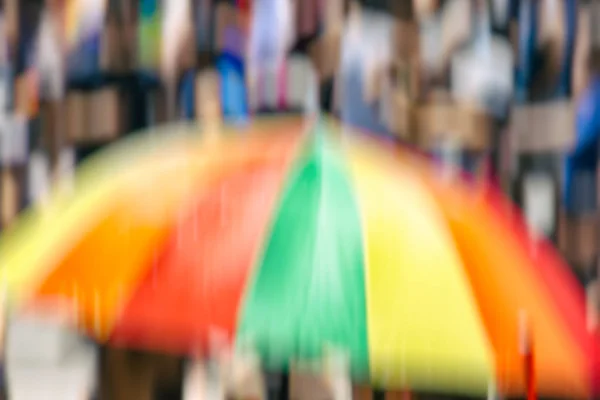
505,89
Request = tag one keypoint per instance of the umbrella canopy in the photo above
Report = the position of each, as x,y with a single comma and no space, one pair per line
539,282
296,242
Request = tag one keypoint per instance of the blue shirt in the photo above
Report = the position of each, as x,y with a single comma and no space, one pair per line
234,98
583,159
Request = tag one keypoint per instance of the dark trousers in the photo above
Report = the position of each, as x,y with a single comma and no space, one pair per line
278,385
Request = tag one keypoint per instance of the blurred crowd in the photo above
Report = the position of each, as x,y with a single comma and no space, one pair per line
506,89
503,88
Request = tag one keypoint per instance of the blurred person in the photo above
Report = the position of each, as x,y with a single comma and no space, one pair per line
544,75
26,85
232,69
582,55
362,79
5,38
50,53
203,11
50,60
443,27
224,374
546,44
272,34
501,15
557,30
128,374
425,8
177,32
482,71
84,25
481,74
580,181
231,90
327,49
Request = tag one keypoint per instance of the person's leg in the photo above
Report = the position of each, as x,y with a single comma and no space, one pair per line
169,385
284,392
326,95
580,226
282,85
125,375
277,385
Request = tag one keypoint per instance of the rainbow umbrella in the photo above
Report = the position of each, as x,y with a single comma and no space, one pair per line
293,241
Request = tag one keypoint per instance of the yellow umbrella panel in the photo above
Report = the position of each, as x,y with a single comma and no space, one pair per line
424,325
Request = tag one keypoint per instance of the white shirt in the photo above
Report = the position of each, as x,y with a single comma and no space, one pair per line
176,24
49,57
272,31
